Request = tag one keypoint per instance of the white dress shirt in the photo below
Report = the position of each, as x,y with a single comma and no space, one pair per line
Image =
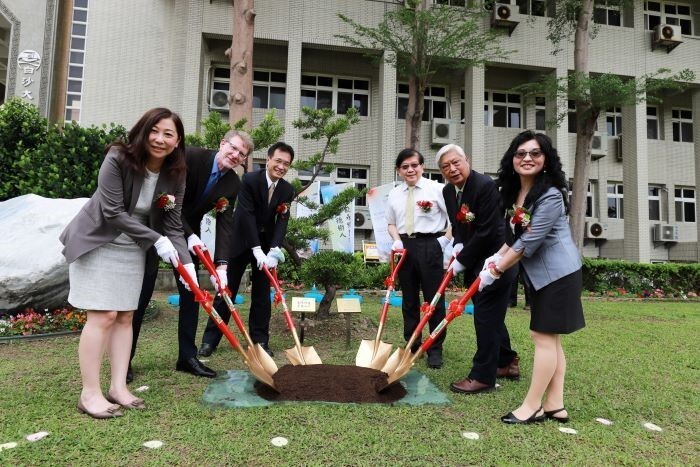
433,221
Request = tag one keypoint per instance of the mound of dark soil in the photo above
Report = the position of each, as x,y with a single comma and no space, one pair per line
330,383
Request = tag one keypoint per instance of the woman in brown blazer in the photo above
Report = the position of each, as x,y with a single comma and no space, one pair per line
137,205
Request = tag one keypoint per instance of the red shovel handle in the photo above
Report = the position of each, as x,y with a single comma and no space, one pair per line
203,297
455,309
272,276
206,260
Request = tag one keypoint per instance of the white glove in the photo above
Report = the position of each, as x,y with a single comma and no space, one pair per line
457,249
166,251
223,278
193,241
397,245
443,241
492,259
487,278
192,272
446,255
276,253
260,257
271,261
456,267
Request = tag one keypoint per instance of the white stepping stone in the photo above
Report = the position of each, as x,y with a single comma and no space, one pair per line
279,441
604,421
651,427
470,435
8,446
569,431
154,444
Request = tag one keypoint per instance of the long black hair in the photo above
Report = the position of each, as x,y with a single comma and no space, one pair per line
552,174
136,150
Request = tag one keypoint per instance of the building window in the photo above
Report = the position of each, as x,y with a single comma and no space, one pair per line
76,61
436,176
682,123
269,89
571,115
341,174
462,114
606,12
532,7
328,92
540,122
435,103
502,109
652,122
615,201
685,204
590,200
613,121
450,2
654,203
677,14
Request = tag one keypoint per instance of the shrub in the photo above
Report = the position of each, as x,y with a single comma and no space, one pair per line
642,279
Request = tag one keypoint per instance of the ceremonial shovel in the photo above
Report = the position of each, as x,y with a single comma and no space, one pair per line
254,352
375,353
455,309
297,355
203,297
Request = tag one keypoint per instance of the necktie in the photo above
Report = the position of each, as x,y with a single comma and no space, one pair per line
459,198
213,178
270,190
409,211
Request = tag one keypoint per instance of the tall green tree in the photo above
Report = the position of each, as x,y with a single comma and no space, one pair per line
419,39
593,93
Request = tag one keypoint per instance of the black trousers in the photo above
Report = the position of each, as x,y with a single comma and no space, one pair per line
492,340
421,271
187,319
260,307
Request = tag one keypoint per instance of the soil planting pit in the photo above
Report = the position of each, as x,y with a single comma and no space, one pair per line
330,383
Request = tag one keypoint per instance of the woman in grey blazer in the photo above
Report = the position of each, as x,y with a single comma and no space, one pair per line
533,188
136,206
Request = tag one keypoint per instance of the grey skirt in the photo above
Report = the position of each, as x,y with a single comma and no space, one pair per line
108,278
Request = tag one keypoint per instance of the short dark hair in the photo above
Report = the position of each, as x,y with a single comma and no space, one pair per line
284,147
406,153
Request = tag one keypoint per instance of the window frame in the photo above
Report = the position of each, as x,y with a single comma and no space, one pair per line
603,5
541,107
591,205
684,202
75,97
675,19
613,116
618,196
269,84
428,102
655,198
335,89
334,178
653,118
489,108
678,121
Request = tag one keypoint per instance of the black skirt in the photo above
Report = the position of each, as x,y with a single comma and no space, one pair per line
556,308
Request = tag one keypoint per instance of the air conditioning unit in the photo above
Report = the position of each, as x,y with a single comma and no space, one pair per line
618,147
218,99
595,230
443,131
666,233
362,219
666,35
599,145
504,16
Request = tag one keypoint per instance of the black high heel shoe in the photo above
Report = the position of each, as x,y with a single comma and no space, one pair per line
513,420
550,415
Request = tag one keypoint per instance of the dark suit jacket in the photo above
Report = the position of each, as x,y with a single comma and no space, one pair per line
255,223
485,235
199,164
108,213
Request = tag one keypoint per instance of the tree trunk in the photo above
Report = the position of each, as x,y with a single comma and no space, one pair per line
241,56
416,85
585,125
324,308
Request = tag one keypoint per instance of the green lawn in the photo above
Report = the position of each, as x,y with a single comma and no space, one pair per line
635,362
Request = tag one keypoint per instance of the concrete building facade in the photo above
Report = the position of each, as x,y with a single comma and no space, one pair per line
107,62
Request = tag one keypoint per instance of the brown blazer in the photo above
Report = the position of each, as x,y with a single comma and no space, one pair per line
108,212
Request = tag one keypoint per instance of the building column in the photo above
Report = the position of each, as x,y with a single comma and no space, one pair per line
292,101
474,143
635,178
560,134
696,154
387,151
190,99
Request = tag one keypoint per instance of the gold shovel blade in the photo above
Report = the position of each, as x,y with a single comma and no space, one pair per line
393,362
307,357
257,356
401,370
261,375
368,358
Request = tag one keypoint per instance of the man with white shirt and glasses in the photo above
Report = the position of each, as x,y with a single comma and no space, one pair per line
417,218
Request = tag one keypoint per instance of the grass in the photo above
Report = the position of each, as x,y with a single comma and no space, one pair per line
634,362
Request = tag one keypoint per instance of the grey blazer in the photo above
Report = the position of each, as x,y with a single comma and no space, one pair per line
549,250
108,212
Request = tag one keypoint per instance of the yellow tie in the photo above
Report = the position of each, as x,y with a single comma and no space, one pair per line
409,211
269,193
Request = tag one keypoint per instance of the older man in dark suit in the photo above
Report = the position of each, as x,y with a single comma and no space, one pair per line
474,208
212,186
259,226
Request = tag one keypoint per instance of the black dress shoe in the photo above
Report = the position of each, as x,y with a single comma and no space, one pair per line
266,348
435,359
550,414
513,420
195,367
129,375
205,350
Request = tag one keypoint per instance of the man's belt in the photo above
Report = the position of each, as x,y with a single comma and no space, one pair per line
421,235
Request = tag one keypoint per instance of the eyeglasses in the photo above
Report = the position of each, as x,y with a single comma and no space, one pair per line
413,166
534,154
456,163
237,150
